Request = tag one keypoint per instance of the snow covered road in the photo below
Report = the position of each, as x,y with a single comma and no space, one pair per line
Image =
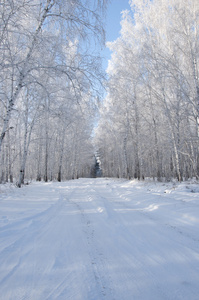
93,239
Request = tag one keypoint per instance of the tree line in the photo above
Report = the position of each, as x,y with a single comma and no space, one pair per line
50,76
149,125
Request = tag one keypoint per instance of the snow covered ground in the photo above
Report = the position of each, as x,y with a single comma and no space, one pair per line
93,239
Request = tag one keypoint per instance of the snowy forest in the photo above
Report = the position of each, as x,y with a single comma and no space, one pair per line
52,83
99,154
50,78
149,124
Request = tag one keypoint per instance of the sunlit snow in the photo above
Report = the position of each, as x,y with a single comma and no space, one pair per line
93,239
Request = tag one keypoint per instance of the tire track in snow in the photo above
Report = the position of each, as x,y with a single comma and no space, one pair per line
119,199
109,198
30,232
97,259
97,244
145,211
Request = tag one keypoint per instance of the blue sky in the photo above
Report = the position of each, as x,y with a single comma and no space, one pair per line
113,27
114,17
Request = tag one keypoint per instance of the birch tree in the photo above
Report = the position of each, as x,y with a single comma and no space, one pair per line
154,68
46,49
29,27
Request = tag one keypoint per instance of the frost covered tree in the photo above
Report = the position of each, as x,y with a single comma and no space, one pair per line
152,102
46,57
